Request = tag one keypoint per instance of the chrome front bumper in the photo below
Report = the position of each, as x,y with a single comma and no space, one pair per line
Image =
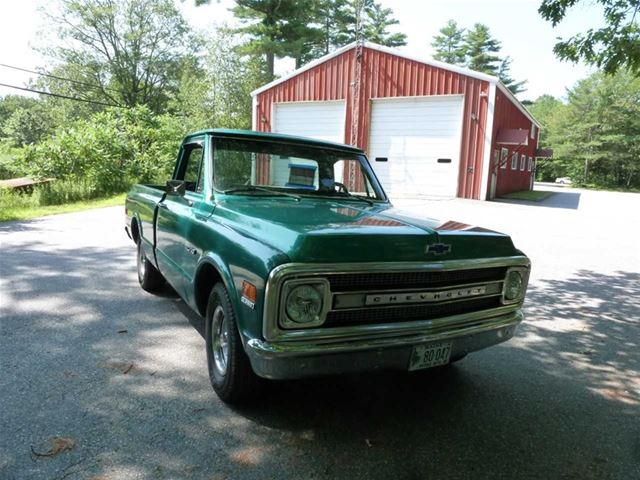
289,360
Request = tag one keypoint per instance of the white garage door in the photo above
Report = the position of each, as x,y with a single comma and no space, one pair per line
414,144
321,120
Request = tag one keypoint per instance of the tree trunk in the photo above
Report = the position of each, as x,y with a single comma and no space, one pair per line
270,65
586,169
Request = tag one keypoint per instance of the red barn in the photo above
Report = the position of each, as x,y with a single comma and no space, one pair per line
429,128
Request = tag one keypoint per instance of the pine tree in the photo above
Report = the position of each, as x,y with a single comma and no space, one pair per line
376,22
332,19
505,77
448,45
276,28
481,50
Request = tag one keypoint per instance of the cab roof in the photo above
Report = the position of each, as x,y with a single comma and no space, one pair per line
273,137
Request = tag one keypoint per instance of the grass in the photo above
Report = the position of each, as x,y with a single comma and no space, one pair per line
528,195
26,211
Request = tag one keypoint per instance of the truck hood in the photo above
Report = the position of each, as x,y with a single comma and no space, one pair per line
322,230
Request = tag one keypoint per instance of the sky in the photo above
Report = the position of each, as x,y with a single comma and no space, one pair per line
525,37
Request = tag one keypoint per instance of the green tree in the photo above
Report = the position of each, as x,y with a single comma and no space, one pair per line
505,77
448,44
614,46
10,103
276,28
376,23
549,111
334,19
218,93
596,136
482,53
308,29
481,50
131,50
110,150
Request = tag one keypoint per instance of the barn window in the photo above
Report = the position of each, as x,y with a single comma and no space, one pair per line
523,162
530,163
514,161
504,155
533,130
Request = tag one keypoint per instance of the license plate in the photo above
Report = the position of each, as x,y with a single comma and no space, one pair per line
431,355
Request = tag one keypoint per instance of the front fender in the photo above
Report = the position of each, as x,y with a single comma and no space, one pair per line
238,258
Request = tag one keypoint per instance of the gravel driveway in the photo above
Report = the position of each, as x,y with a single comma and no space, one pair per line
116,378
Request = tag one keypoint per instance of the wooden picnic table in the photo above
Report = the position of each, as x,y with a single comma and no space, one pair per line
23,183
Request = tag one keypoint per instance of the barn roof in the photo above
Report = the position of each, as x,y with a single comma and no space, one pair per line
392,51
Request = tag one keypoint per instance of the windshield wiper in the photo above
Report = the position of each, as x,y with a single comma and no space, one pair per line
347,193
254,188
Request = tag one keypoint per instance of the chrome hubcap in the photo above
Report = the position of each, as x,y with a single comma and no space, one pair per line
220,340
141,263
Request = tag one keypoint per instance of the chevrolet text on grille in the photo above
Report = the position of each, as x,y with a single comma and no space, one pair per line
420,297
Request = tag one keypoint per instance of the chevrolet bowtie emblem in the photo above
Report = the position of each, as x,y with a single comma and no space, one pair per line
438,248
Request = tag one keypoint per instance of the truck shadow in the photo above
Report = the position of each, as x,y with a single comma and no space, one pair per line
86,354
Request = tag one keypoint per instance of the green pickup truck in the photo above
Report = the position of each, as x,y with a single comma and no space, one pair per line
299,264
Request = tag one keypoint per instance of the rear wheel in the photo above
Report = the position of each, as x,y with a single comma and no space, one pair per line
149,277
230,371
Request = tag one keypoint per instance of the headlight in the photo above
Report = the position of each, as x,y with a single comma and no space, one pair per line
304,303
514,285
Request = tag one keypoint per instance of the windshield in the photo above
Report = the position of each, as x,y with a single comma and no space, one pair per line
258,167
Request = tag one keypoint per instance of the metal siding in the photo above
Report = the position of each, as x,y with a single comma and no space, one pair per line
507,115
387,75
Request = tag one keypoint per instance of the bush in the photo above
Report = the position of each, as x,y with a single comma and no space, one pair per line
10,167
107,153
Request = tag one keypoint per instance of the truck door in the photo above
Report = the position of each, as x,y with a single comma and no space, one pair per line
176,254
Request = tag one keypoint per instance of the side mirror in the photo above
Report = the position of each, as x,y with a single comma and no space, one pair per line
176,187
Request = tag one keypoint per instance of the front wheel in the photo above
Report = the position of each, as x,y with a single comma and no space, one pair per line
230,371
149,277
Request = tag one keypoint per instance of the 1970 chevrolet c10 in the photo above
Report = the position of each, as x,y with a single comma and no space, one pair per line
300,265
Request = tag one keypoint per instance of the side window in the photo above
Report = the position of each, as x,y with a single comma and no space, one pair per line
191,167
504,155
523,162
514,161
530,163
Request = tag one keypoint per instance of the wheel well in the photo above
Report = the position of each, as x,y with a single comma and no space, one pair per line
206,278
135,232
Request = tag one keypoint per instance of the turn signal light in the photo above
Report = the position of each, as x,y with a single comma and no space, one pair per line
249,292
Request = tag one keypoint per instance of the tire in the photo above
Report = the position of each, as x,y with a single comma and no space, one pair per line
230,371
149,277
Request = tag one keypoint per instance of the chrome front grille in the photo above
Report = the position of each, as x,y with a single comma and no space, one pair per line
394,298
347,282
407,313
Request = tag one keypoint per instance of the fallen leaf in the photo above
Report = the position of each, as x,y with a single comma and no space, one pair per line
124,367
56,445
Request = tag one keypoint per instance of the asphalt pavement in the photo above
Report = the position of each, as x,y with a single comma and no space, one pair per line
101,380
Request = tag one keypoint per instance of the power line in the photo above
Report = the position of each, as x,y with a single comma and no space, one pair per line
41,92
57,77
